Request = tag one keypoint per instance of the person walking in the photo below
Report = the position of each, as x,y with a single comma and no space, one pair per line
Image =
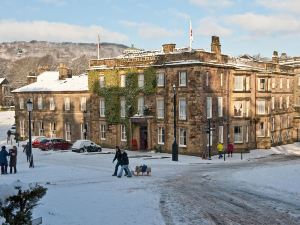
8,136
13,159
117,157
27,151
17,138
124,163
220,150
3,160
230,148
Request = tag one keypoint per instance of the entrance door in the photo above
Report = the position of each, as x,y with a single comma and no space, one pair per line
143,138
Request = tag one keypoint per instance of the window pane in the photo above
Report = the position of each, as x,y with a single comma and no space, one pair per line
182,109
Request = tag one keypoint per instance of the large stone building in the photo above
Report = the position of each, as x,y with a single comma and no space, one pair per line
247,102
129,101
59,105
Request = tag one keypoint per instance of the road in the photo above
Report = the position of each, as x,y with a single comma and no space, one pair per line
206,194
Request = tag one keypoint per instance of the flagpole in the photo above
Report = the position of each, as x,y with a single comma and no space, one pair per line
191,36
98,46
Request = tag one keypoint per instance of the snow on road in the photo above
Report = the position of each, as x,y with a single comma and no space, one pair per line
81,190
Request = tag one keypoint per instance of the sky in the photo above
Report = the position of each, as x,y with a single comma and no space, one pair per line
253,27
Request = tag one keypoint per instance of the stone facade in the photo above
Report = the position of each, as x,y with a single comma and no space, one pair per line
257,116
6,97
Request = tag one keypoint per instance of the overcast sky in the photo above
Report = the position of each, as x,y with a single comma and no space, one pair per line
244,26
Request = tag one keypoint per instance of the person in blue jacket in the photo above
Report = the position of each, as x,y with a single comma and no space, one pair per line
3,160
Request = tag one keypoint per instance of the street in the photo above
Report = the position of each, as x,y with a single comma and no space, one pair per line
207,194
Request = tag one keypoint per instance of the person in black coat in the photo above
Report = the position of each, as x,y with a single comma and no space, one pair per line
27,151
124,163
117,157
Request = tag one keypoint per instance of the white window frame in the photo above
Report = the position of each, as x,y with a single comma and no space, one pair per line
208,107
122,107
122,80
280,102
262,84
101,107
273,102
238,103
221,134
40,102
238,84
261,131
221,79
21,102
247,80
182,137
261,107
220,106
182,75
141,105
247,134
102,131
52,103
287,102
280,84
160,107
160,79
101,81
141,80
161,135
273,124
83,104
22,128
182,108
68,131
67,103
273,82
298,80
123,132
210,133
41,128
53,129
288,83
238,137
84,129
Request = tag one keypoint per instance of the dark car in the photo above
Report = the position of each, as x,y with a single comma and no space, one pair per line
85,146
54,144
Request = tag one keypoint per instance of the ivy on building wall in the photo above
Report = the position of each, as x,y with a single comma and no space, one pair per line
112,93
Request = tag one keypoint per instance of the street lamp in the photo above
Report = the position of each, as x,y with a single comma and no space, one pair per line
84,125
29,109
174,146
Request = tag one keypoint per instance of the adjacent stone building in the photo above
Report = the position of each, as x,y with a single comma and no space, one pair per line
59,105
6,97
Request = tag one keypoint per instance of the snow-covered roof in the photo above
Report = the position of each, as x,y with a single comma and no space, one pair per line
49,81
1,80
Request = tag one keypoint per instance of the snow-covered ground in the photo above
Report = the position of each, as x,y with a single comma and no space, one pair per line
81,190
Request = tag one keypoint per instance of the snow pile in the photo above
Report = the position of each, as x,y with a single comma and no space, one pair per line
291,149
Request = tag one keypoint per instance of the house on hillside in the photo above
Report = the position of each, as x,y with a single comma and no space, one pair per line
6,97
60,105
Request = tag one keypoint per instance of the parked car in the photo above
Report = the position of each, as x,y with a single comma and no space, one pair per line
85,146
36,141
54,144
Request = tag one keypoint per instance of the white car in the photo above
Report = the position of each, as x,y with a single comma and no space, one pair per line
85,146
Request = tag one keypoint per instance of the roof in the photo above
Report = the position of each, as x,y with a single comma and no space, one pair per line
49,82
2,79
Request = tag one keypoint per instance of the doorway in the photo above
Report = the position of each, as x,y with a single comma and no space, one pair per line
143,138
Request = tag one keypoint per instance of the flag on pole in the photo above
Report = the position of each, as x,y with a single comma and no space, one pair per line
98,47
191,35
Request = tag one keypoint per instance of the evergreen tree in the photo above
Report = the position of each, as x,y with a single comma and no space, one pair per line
17,209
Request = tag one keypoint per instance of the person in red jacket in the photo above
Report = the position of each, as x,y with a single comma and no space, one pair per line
230,148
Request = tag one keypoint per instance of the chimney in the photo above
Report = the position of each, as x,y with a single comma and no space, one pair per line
215,45
64,71
275,58
168,48
31,78
283,55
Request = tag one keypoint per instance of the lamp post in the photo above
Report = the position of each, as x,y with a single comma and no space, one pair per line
84,125
174,146
29,109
